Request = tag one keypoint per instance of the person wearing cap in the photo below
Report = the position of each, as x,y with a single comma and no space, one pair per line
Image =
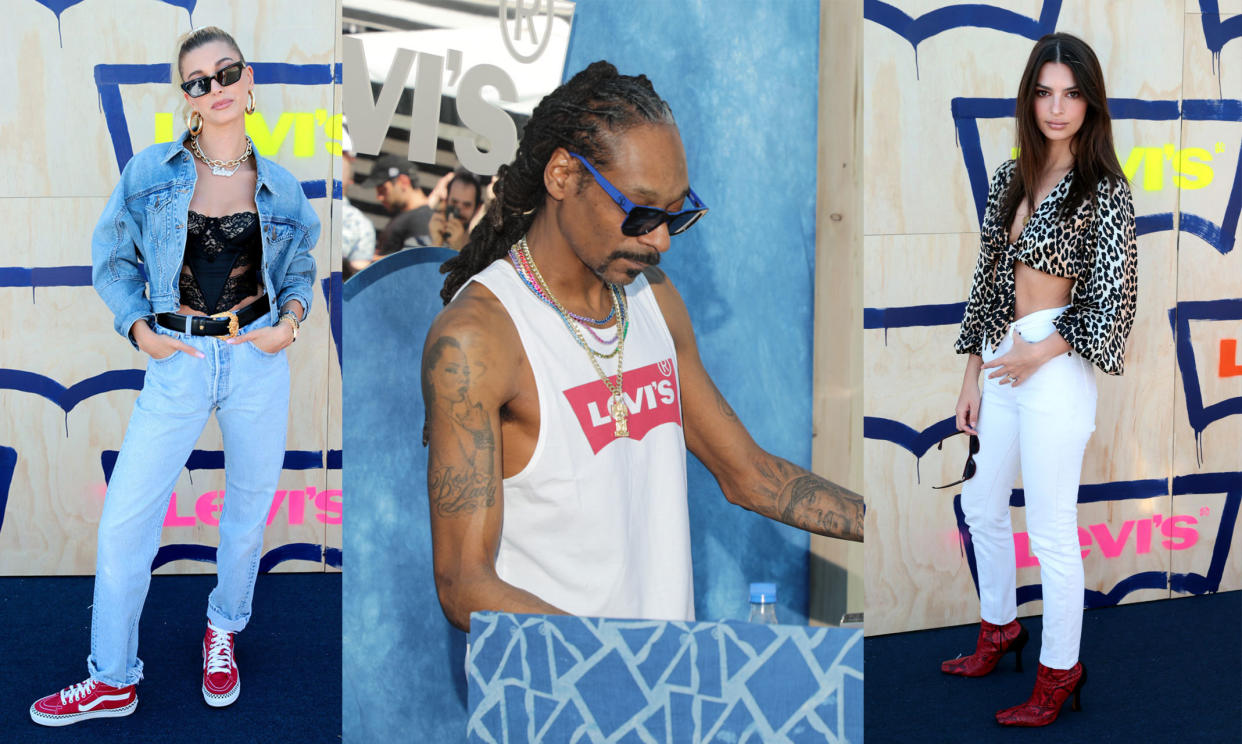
393,178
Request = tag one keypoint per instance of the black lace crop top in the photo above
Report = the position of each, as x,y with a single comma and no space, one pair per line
223,256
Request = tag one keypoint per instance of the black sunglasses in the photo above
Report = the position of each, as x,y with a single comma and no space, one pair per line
642,220
969,471
225,76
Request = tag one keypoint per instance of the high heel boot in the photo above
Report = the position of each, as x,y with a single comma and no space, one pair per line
1052,687
994,642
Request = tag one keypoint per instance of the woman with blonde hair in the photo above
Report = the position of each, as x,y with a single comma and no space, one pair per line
224,237
1053,296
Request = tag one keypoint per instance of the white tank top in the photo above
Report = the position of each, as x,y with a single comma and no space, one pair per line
597,525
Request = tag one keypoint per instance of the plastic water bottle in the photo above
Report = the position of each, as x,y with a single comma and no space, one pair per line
763,603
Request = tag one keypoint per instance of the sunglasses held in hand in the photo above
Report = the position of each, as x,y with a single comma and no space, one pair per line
225,76
642,220
969,471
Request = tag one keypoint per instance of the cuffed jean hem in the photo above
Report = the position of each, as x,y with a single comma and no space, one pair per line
223,622
132,676
248,390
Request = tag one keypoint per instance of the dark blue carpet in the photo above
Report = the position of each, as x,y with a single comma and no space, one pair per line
289,657
1168,671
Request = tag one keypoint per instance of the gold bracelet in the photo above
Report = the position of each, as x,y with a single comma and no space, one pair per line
290,316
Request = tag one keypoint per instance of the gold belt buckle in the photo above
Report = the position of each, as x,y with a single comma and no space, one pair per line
233,326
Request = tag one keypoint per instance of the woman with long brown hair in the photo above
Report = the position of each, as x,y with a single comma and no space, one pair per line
1053,296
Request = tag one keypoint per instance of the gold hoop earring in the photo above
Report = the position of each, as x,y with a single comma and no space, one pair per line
250,104
194,122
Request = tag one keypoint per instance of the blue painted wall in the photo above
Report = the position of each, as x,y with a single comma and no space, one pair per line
741,78
402,663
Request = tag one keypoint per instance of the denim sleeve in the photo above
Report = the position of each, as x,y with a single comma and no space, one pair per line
116,272
299,279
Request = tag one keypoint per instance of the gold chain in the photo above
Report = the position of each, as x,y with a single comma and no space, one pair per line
614,293
216,165
617,404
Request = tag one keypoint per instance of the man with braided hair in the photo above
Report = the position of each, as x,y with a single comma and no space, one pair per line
562,382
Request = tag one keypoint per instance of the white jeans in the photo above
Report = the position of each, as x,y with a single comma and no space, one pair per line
1043,424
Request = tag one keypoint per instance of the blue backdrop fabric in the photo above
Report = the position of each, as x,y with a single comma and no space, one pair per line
561,679
741,78
402,662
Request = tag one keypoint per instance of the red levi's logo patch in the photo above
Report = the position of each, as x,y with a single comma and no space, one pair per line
651,395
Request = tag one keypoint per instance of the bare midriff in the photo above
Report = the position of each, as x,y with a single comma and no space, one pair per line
1035,290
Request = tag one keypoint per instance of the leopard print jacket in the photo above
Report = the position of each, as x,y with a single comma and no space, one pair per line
1095,246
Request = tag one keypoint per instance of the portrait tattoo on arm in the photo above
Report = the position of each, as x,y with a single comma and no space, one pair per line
462,473
800,498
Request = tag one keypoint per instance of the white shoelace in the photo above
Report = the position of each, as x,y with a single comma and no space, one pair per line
219,652
76,692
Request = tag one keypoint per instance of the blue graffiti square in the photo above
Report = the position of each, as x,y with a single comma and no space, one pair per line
1180,316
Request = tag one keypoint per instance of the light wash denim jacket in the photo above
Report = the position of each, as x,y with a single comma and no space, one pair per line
145,220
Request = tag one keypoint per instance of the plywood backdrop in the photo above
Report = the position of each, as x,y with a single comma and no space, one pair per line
79,99
1162,479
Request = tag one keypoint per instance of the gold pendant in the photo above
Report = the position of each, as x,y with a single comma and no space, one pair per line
619,415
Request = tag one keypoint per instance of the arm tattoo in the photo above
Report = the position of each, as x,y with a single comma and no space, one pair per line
797,497
469,443
724,406
455,492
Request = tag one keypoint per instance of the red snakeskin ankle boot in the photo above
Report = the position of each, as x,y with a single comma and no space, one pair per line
994,642
1052,687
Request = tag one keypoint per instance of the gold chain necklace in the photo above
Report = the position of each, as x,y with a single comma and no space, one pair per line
616,400
222,167
540,287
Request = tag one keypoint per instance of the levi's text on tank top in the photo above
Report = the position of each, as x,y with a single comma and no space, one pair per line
594,524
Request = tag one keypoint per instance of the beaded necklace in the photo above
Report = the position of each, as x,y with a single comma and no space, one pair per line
519,263
540,288
616,405
528,278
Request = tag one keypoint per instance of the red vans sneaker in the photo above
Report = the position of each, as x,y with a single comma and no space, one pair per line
221,683
89,699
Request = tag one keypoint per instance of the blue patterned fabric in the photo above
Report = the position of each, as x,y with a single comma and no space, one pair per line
562,679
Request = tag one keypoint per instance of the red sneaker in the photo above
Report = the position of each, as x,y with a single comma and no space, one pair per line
221,683
89,699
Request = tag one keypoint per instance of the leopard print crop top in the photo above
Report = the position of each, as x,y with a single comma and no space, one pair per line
1095,246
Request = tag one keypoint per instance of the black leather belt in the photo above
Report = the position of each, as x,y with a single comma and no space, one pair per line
220,325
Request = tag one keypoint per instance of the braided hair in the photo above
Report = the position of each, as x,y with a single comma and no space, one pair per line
580,116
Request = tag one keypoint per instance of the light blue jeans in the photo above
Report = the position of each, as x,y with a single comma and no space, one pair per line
249,391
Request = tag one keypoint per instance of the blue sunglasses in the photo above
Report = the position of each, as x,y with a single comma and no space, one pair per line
642,220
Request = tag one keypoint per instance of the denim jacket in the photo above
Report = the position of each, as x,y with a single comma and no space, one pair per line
145,220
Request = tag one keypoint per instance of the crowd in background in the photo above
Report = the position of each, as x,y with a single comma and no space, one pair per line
442,218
